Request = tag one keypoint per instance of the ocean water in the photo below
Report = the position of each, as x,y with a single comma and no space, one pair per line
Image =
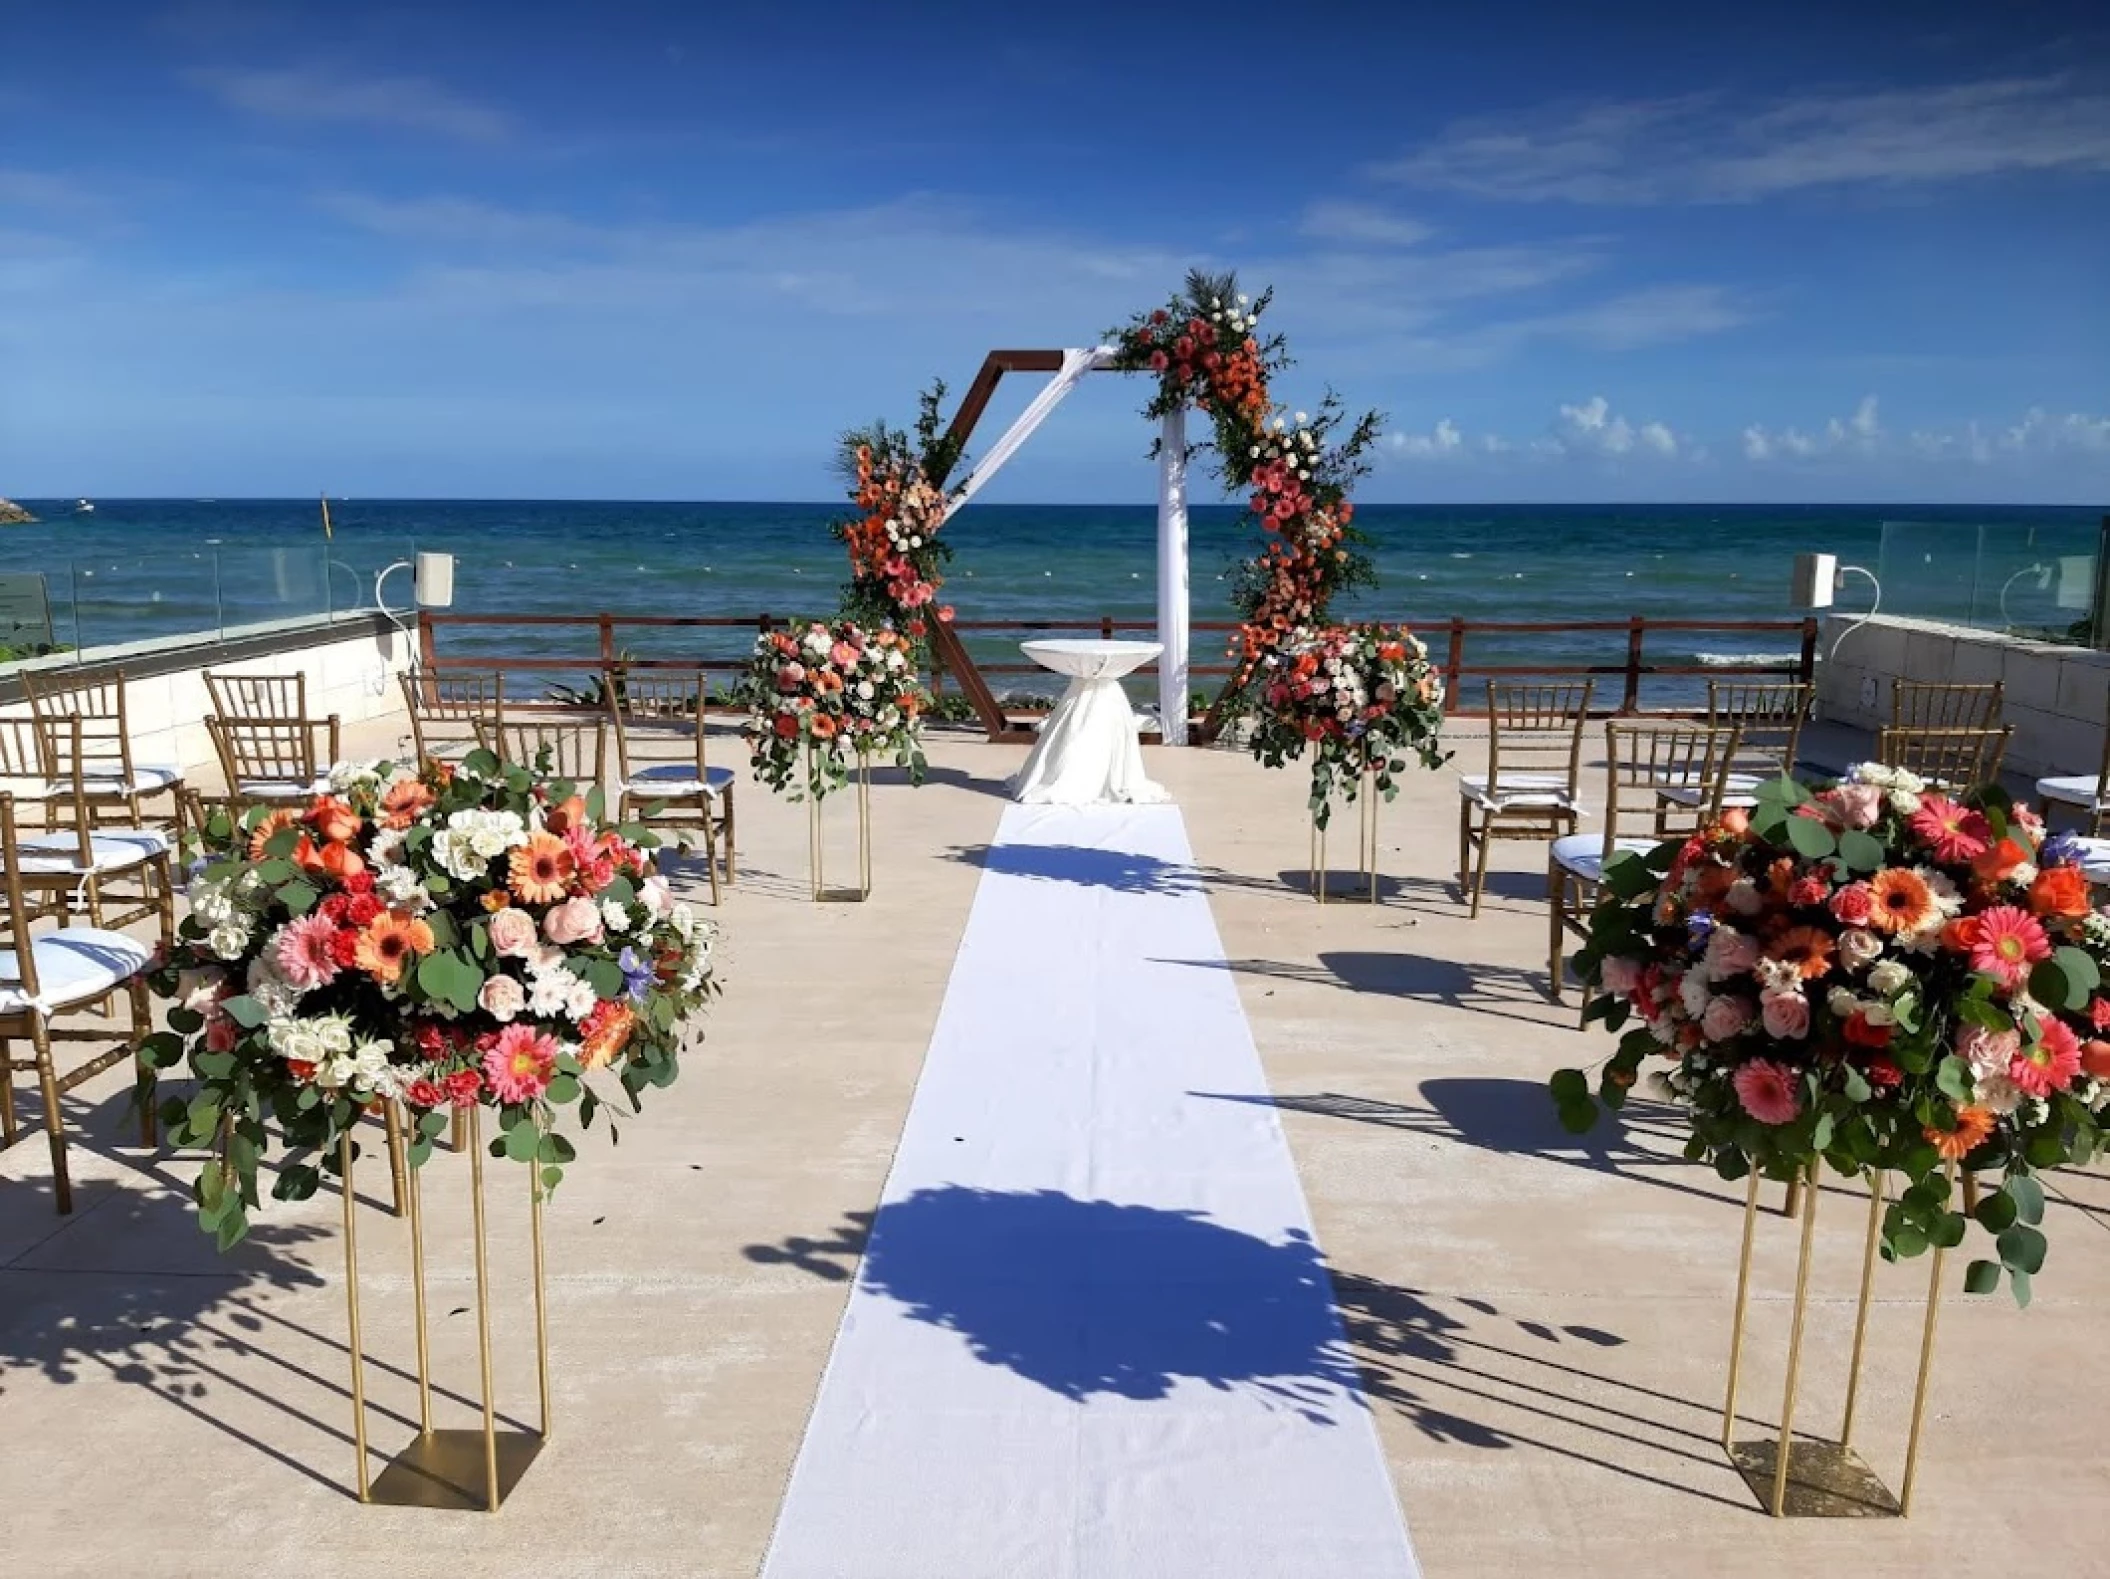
134,569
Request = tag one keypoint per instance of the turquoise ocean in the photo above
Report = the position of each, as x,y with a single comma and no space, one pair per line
136,569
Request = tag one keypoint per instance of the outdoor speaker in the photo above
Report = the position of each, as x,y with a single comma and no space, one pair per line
1816,580
435,581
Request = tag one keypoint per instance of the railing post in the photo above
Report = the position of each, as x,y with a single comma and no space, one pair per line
1806,666
607,627
1454,665
1106,627
1631,702
427,648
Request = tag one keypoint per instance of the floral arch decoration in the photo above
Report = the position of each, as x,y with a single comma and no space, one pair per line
1208,353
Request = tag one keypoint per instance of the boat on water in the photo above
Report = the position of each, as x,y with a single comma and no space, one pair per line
83,507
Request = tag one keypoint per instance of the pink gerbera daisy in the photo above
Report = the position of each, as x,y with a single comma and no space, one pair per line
303,952
2010,940
519,1065
1954,833
1768,1091
2051,1064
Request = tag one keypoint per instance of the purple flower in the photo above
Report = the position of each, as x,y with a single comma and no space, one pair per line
637,975
2063,849
1699,927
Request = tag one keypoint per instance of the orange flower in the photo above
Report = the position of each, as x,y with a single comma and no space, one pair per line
338,861
823,726
1962,935
540,869
334,820
261,834
391,940
1973,1125
404,800
1808,949
495,900
1904,902
606,1033
1998,862
566,815
2059,891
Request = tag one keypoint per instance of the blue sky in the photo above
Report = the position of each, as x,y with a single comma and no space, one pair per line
666,251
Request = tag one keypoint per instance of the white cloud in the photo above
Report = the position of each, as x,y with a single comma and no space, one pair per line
1703,148
1758,444
411,104
1443,439
1655,436
1858,434
1359,224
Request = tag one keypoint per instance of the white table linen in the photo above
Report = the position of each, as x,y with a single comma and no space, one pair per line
1087,754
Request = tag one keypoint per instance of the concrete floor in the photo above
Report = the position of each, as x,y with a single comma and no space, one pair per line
1543,1321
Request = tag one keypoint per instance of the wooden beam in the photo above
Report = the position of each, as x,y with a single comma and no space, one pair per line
976,401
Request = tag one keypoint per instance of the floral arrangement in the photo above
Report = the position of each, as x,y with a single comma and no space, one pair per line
1875,974
1206,349
1356,698
820,695
896,481
441,937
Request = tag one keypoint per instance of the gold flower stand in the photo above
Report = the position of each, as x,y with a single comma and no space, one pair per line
454,1469
817,837
1805,1478
1366,886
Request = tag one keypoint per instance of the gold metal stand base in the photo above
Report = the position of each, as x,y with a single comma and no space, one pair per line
1825,1480
445,1469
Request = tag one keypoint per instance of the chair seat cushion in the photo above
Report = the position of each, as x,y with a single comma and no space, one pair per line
146,779
1583,853
2078,789
1518,791
2095,860
280,789
74,965
109,850
1738,789
679,778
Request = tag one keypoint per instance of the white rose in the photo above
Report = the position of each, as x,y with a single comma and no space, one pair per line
1842,1002
865,693
1889,977
228,940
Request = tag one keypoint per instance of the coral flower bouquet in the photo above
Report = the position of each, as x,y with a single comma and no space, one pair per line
821,696
441,937
1877,975
1357,699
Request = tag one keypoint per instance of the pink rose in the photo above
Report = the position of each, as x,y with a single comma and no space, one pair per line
202,990
1730,953
1725,1017
656,896
1987,1052
1854,903
1619,975
502,998
577,920
1859,947
512,933
1786,1015
1855,805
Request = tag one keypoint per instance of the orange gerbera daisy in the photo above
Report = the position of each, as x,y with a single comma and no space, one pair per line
261,834
1904,902
390,942
1973,1125
404,800
1808,949
540,869
605,1033
495,900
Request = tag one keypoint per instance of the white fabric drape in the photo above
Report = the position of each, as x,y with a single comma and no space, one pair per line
1075,364
1087,754
1172,579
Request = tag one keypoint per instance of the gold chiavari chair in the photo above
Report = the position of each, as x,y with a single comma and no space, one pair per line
119,875
258,695
1955,757
1768,717
1945,704
1530,790
48,977
272,761
1642,761
114,781
663,773
558,745
2087,793
25,766
444,709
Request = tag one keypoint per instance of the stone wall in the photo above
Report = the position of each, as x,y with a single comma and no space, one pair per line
2058,698
351,668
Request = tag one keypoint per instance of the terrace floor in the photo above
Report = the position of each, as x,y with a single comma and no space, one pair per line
1541,1322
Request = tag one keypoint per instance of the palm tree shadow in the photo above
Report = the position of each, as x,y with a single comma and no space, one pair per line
1504,992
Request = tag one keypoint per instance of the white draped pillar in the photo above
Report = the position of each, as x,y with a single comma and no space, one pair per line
1172,578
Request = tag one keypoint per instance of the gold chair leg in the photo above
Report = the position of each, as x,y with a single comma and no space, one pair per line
54,1119
710,853
1556,900
142,1023
732,875
1465,845
8,1125
1487,839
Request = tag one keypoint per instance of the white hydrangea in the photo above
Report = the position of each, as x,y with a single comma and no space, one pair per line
489,833
346,777
211,903
402,887
614,916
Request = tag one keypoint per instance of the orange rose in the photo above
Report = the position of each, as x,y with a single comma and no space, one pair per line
2095,1058
569,813
2059,891
334,820
1999,861
1961,935
340,861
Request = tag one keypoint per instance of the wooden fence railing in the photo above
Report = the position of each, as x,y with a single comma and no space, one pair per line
1451,643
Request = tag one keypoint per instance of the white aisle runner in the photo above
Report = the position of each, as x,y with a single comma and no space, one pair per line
1091,1337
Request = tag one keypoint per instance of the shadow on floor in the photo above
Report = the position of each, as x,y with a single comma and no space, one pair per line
1504,991
1123,871
1089,1298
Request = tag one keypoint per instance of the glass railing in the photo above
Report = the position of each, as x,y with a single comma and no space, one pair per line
95,609
2041,582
